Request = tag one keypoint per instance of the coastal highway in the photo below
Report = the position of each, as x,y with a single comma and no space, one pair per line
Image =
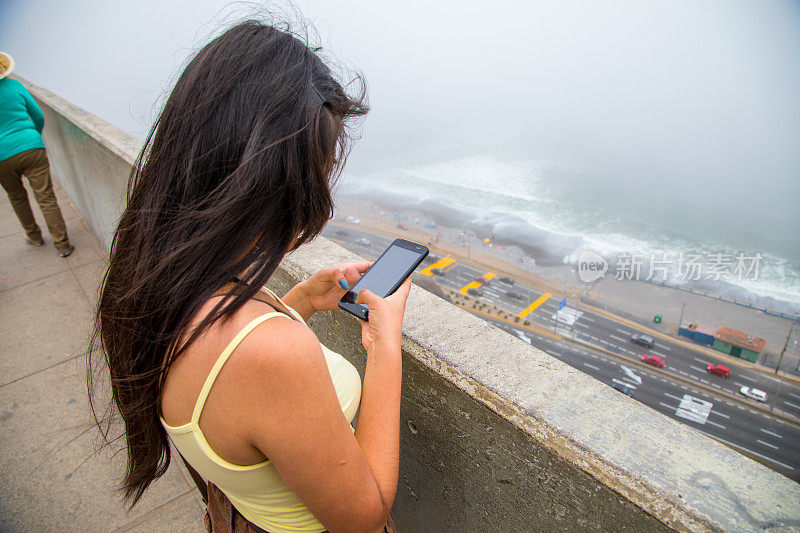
682,389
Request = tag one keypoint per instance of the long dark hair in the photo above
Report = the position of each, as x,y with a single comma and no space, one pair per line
236,171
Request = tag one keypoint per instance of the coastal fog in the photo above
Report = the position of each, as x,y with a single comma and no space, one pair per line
624,127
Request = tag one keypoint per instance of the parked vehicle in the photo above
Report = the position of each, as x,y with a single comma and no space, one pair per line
719,369
482,280
402,226
654,360
341,233
352,220
506,280
755,394
473,291
437,271
363,242
643,340
514,294
623,389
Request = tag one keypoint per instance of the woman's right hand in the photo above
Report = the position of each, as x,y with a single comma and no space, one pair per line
385,325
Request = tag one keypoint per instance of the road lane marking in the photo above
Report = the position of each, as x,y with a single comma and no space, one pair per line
632,386
618,338
748,378
700,360
695,409
623,331
658,353
631,374
698,369
715,424
441,264
739,384
662,404
475,284
766,444
723,415
590,319
747,450
793,395
591,366
539,301
771,433
792,404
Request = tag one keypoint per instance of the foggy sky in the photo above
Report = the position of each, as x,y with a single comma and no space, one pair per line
703,94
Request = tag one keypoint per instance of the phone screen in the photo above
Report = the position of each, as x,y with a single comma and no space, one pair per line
388,273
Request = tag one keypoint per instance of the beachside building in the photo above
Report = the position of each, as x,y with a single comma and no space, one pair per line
698,333
739,344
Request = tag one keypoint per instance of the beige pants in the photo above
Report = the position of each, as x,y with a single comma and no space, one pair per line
33,164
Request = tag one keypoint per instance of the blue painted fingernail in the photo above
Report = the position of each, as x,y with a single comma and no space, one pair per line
343,284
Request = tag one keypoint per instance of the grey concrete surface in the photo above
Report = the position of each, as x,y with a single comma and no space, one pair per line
91,160
496,435
54,476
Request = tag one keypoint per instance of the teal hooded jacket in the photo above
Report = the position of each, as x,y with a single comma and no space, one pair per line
21,120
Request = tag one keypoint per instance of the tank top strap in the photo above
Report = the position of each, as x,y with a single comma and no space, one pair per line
223,357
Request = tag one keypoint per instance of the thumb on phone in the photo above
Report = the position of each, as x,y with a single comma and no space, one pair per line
367,297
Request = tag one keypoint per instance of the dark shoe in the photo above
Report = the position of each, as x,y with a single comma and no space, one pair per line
67,251
40,242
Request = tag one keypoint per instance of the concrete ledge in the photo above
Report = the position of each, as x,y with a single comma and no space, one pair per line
89,157
496,435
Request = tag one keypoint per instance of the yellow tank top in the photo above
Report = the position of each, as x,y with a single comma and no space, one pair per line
257,491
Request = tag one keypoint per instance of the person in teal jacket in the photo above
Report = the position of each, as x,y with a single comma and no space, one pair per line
22,153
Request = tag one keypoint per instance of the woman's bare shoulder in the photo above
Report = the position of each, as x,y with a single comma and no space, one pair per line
264,345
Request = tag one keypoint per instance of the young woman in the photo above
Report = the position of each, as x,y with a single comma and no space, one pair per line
236,173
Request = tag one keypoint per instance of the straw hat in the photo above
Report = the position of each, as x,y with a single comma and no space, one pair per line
6,65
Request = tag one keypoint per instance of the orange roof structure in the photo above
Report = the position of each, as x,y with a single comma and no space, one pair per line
737,338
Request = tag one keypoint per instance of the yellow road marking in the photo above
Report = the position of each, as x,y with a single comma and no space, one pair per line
539,301
476,284
441,264
470,285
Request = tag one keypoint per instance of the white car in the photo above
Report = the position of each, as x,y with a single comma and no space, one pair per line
756,394
352,220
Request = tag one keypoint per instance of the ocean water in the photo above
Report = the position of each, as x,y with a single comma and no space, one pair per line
554,211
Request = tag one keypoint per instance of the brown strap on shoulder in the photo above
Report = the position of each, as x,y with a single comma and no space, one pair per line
260,296
196,477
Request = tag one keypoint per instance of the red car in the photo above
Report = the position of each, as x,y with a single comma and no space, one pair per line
653,359
719,369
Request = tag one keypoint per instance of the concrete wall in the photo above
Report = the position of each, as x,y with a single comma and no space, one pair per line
496,435
90,158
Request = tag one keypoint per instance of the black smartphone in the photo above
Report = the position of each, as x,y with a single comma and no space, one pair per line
385,275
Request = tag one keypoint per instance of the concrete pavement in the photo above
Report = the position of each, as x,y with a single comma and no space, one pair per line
53,476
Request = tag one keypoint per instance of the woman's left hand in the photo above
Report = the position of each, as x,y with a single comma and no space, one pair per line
323,290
